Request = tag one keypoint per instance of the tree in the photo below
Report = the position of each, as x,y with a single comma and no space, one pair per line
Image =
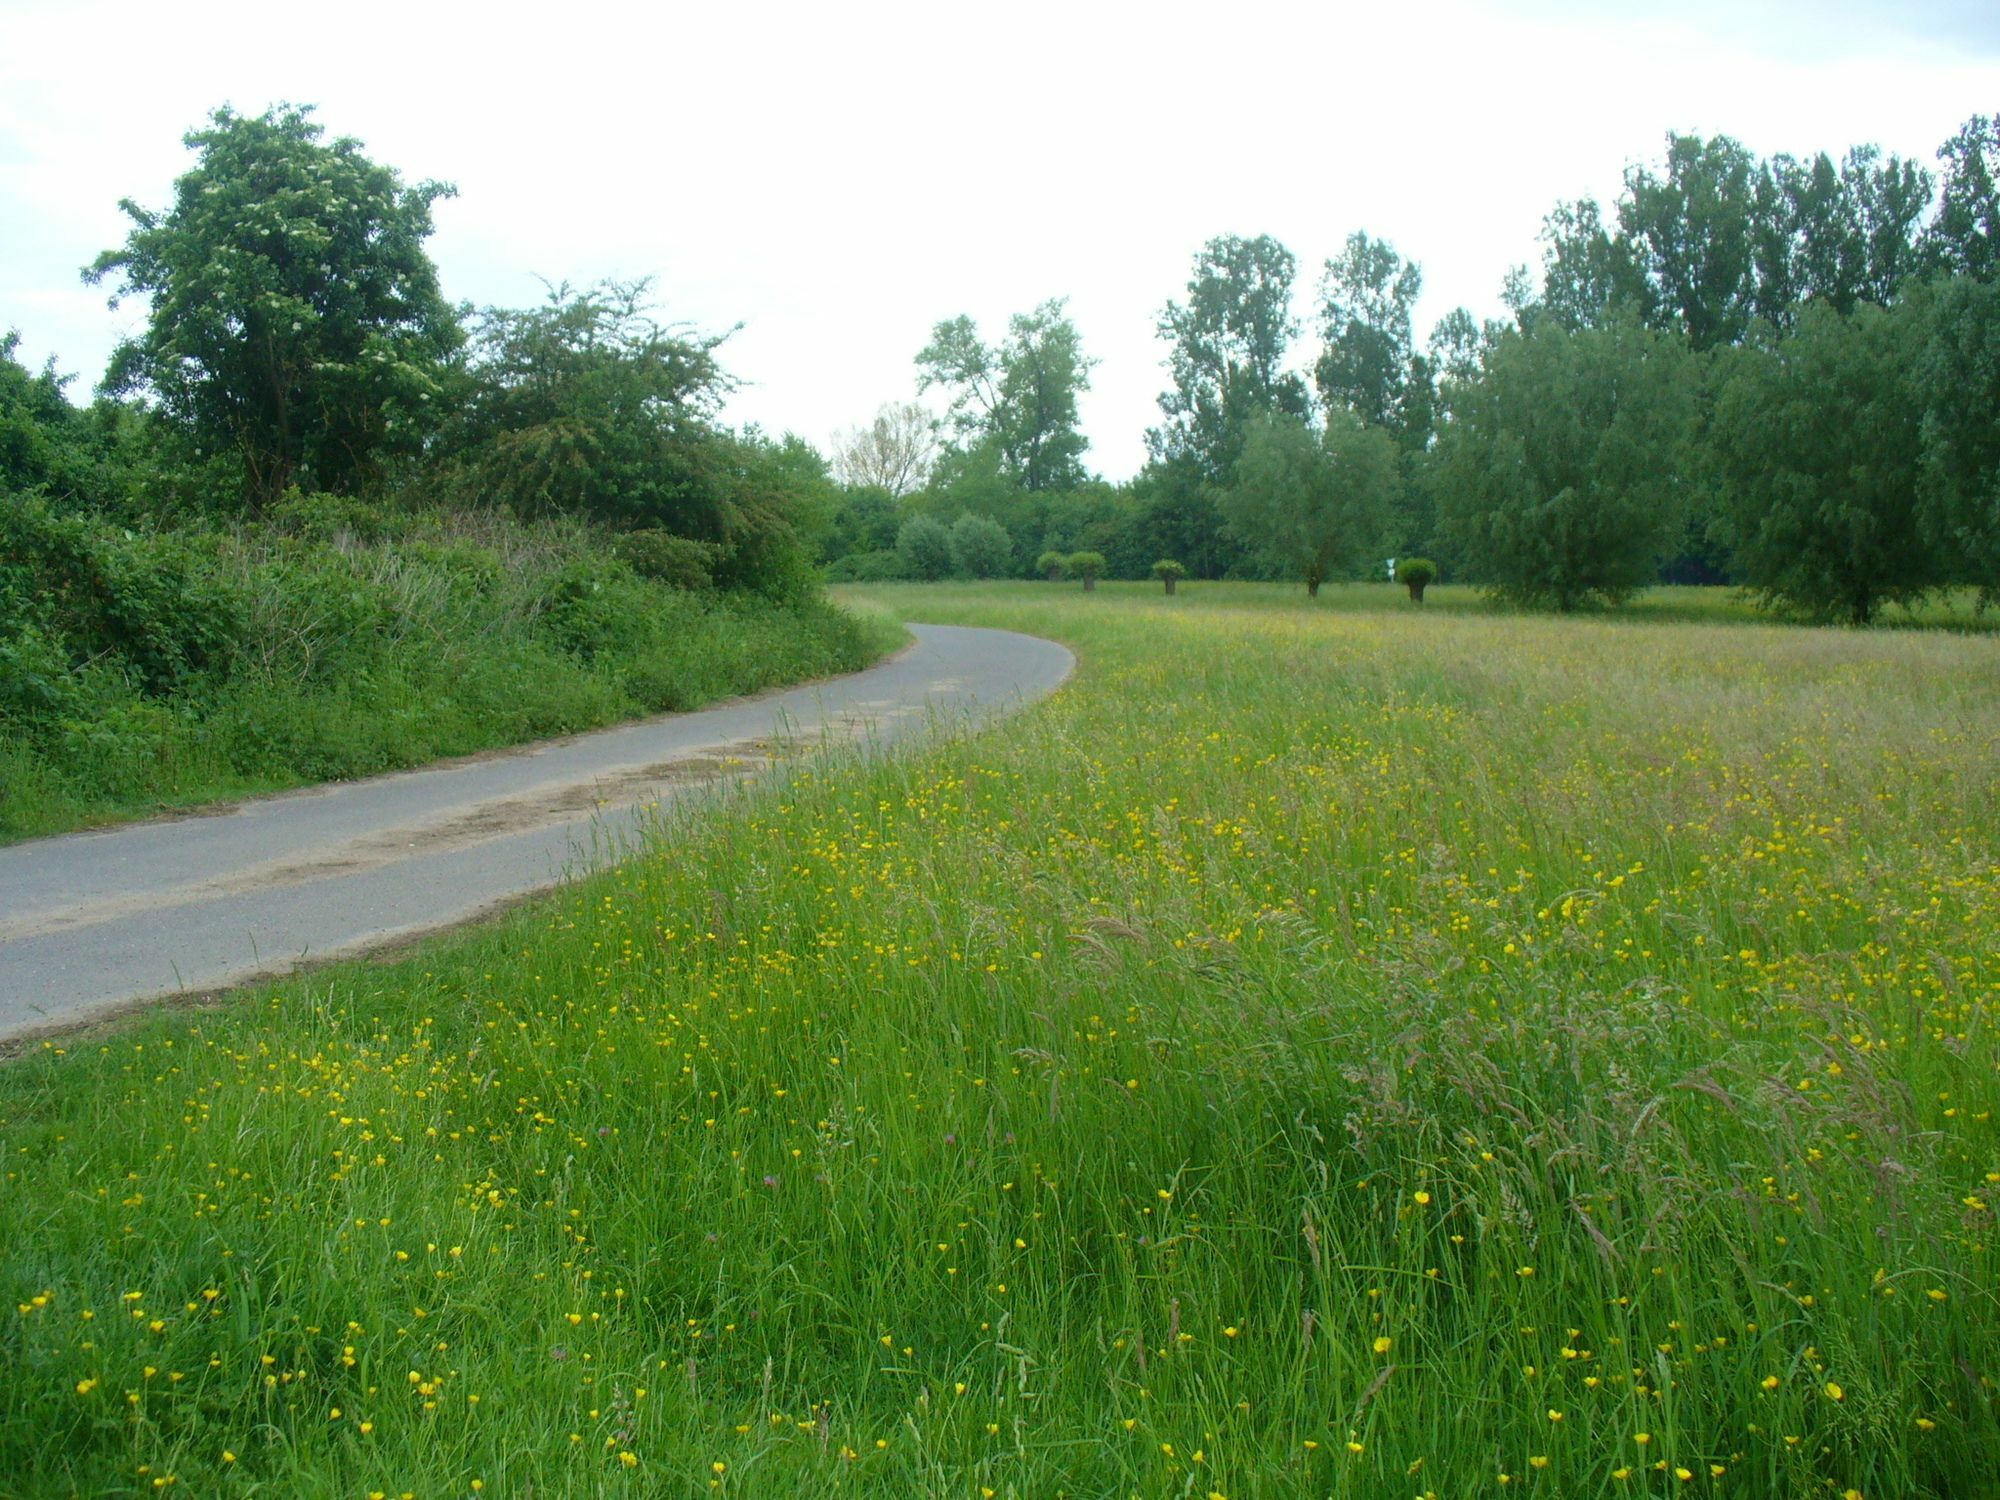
1958,388
295,316
1587,273
1964,238
1558,473
894,452
980,547
1839,235
589,405
1366,296
1169,572
45,443
1315,505
1089,566
1051,564
1230,340
1690,235
1019,395
1416,574
924,544
1816,440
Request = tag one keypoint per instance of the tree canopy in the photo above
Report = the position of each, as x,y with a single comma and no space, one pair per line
295,317
1020,395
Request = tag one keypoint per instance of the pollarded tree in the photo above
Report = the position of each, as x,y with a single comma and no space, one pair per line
1816,440
1559,471
296,318
1316,505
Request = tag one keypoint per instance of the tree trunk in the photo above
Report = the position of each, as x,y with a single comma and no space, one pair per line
1170,585
1312,588
1417,592
1089,584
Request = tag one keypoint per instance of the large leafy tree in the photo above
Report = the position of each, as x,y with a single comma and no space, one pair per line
1841,235
1587,271
1957,379
1965,236
1314,505
590,405
1689,230
1230,341
296,319
1019,395
1558,473
1367,294
1816,440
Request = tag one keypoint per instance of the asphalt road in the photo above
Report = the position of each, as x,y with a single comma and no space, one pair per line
92,923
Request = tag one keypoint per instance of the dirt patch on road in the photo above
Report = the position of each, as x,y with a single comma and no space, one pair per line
548,806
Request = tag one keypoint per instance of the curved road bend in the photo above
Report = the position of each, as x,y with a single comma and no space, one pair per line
91,922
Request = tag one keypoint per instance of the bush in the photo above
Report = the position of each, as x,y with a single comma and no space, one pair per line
1050,565
1089,566
679,562
1416,574
980,547
1169,572
925,545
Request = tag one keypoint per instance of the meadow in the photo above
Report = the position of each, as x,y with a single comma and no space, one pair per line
1338,1050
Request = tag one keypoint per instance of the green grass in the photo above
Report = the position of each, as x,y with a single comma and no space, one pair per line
1322,1051
463,633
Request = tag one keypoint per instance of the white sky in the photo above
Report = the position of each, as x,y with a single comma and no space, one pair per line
838,178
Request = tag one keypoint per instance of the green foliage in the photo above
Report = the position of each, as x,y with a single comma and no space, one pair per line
45,443
1230,341
1366,297
1089,566
1313,506
1051,564
140,670
1957,384
924,544
881,565
980,547
295,319
1416,574
1020,396
1816,445
1964,238
864,519
153,607
1168,569
677,561
1559,474
590,406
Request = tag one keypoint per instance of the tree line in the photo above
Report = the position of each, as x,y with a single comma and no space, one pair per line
1781,373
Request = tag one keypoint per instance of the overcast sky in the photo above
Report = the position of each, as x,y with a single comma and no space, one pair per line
837,178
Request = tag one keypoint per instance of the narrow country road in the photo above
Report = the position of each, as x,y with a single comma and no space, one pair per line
92,922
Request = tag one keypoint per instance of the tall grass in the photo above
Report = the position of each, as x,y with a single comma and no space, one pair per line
1320,1052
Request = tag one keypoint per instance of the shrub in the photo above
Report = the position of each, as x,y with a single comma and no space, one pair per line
1416,574
925,545
678,561
980,547
1050,565
1169,572
1089,566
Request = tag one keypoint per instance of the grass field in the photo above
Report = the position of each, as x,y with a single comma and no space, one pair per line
1347,1050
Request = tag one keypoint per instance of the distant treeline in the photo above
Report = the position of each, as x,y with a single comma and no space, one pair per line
1781,373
